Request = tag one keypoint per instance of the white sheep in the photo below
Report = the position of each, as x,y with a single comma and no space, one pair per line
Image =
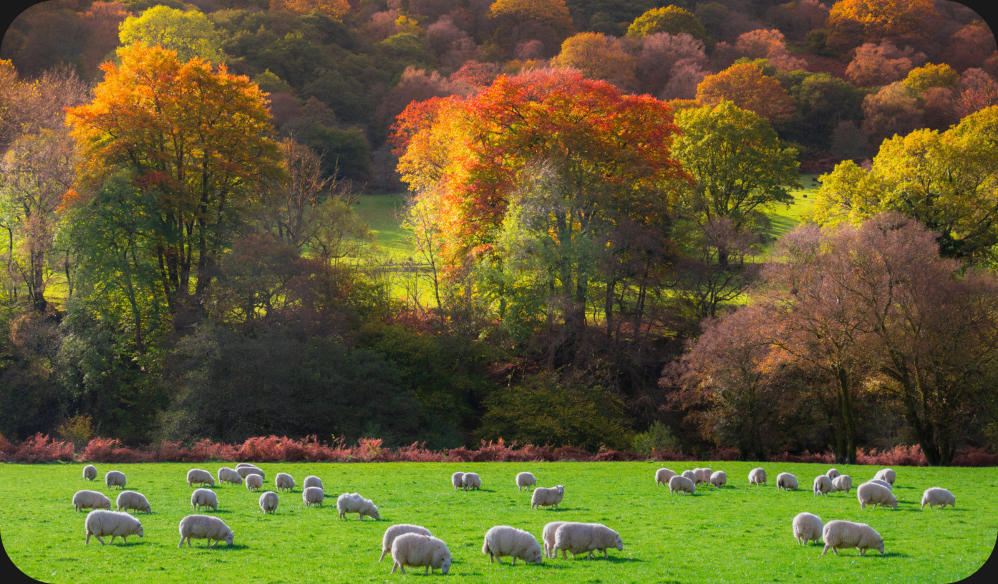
132,500
823,485
312,496
681,484
354,503
503,540
547,496
548,534
254,481
842,483
471,480
886,474
311,481
786,481
938,496
396,530
579,538
839,534
663,475
718,478
416,549
268,501
525,479
90,472
832,473
90,500
229,475
868,493
882,483
102,522
807,526
457,479
703,476
757,476
199,476
115,478
245,469
204,498
204,527
691,475
283,480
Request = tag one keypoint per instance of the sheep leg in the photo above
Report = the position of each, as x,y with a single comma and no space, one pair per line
383,552
514,560
88,539
395,565
427,571
99,539
862,551
825,551
112,539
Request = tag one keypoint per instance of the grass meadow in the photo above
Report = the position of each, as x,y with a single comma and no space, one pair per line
734,534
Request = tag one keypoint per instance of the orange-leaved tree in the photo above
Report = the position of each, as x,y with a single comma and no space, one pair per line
748,87
196,141
851,22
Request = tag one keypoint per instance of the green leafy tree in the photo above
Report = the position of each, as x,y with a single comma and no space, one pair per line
671,19
188,32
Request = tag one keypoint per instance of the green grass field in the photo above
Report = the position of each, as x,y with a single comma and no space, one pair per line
738,533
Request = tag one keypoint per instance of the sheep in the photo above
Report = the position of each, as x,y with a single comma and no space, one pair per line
663,475
204,498
786,481
691,475
114,478
823,485
586,537
204,527
416,549
547,497
201,477
703,476
254,482
503,540
718,478
268,501
311,481
132,500
102,522
877,494
354,503
548,536
471,481
90,472
832,473
885,474
882,483
679,483
842,483
229,475
90,500
457,479
807,526
312,496
283,480
938,496
247,469
525,479
757,476
396,530
838,534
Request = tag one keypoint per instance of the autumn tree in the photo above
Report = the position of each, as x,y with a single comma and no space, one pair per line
748,87
189,32
598,56
768,44
522,20
663,56
930,75
879,64
671,19
335,9
852,22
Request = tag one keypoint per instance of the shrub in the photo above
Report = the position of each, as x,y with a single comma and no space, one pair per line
974,456
900,455
657,437
79,430
111,450
42,448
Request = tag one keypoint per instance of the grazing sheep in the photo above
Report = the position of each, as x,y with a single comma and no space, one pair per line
886,474
823,485
229,475
114,478
204,527
268,501
525,479
201,477
102,522
503,540
682,484
757,476
786,481
703,476
312,496
457,479
283,480
247,469
311,481
807,526
877,494
396,530
938,496
132,500
832,473
547,497
90,500
718,478
842,483
254,481
90,472
882,483
689,474
663,475
839,534
580,538
204,498
548,534
416,549
471,480
354,503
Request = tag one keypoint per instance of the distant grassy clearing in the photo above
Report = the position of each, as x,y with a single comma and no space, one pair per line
739,533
